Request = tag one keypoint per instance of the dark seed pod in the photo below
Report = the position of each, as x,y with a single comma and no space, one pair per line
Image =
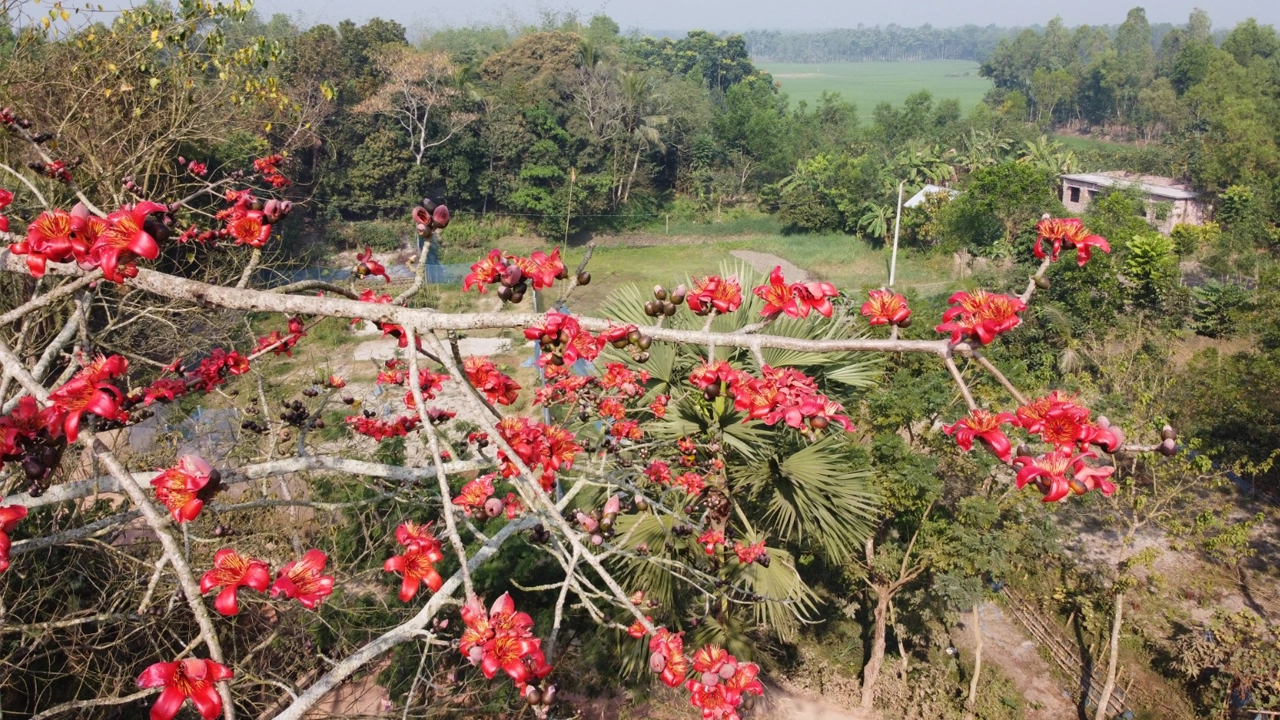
659,292
819,422
428,204
906,323
633,337
504,293
668,308
584,278
642,357
1024,450
650,309
1042,282
549,696
1168,433
644,342
1168,448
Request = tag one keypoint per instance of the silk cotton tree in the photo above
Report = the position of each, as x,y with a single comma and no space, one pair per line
741,386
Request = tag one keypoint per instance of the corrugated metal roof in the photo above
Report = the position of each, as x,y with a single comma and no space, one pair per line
925,192
1163,191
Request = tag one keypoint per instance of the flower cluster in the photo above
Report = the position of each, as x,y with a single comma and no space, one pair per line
1069,232
796,299
1060,421
550,447
269,168
485,376
711,539
885,307
232,571
214,369
10,516
502,639
282,344
304,580
382,429
667,657
719,682
724,295
980,316
112,244
185,487
753,553
786,395
515,273
247,218
417,564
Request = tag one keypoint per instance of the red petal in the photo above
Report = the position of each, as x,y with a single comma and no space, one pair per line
226,602
207,701
168,705
409,588
157,675
257,576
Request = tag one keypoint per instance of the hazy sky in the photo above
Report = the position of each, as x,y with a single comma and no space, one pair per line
719,15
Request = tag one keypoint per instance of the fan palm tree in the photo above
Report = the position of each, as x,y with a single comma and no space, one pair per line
800,495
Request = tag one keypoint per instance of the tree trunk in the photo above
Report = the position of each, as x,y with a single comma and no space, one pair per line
872,671
630,181
1113,661
977,659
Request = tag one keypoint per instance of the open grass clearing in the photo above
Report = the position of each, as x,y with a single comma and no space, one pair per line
871,83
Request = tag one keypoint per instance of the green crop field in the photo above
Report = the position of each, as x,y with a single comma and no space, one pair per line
870,83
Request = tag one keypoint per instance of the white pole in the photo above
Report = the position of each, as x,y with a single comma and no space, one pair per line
897,223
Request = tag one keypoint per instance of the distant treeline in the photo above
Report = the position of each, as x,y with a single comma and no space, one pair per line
895,42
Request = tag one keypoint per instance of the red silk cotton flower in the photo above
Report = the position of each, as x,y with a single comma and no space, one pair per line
50,238
366,265
184,487
89,392
417,564
10,516
667,657
885,308
980,316
232,571
796,299
191,678
303,580
723,295
474,494
6,197
124,239
985,426
1057,474
485,376
1070,232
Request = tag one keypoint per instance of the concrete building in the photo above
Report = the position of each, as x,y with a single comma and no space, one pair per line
1169,202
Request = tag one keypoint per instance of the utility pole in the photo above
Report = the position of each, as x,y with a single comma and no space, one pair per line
897,223
573,178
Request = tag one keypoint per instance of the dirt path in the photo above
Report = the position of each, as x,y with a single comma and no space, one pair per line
1006,645
781,704
766,262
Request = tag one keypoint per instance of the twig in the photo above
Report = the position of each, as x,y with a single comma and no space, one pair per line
451,526
964,389
991,368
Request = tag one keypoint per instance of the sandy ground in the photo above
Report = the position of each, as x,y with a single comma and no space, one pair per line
1006,645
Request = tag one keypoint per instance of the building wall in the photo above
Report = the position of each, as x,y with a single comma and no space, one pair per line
1076,196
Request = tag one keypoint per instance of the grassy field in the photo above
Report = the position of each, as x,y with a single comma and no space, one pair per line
851,264
870,83
1075,142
